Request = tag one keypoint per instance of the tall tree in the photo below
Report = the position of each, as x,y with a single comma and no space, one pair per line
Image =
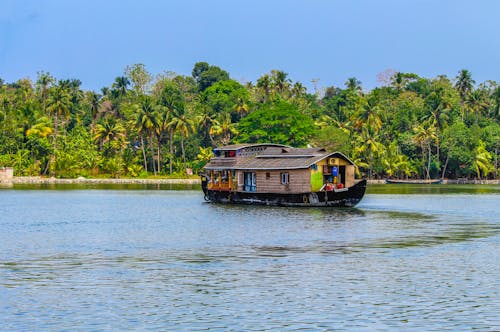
139,77
146,123
206,75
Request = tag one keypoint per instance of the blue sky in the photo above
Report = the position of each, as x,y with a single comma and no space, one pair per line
328,40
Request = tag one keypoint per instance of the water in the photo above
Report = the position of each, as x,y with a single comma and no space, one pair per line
74,258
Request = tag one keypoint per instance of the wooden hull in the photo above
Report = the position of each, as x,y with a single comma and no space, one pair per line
438,181
342,198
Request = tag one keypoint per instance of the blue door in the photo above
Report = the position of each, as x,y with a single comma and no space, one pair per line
250,183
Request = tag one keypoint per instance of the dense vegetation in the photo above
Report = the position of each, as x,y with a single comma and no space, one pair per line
410,126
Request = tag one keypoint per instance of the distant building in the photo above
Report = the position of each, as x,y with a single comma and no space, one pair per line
6,173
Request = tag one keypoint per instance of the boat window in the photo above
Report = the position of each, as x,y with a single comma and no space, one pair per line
285,178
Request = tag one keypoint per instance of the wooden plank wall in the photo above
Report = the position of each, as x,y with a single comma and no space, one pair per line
349,176
300,181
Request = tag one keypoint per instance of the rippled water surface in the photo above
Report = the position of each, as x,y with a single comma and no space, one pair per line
407,258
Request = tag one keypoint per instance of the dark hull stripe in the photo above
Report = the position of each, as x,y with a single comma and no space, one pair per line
347,198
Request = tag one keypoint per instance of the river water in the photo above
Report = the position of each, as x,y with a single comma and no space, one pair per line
409,258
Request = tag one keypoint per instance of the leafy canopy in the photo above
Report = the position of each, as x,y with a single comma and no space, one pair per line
280,123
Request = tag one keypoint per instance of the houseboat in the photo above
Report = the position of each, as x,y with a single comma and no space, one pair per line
274,174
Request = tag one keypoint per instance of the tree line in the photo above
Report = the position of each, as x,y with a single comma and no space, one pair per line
144,125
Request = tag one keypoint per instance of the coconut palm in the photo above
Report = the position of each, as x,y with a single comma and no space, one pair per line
264,87
121,85
94,102
425,135
43,82
224,129
183,126
172,102
477,102
241,106
371,148
298,90
368,117
146,124
280,82
482,160
353,84
42,128
464,84
58,105
110,133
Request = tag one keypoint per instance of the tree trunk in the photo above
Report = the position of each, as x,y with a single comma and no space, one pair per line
445,165
144,154
429,162
152,152
158,153
496,162
183,153
171,149
423,159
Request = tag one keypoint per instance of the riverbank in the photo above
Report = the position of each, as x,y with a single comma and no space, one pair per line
81,180
449,181
191,181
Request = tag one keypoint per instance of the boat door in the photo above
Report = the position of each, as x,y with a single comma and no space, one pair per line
342,178
250,181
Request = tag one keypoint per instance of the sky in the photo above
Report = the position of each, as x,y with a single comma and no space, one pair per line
326,41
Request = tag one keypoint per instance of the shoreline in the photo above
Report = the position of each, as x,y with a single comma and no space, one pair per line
81,180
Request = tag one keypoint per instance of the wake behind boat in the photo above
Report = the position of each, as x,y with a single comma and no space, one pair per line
274,174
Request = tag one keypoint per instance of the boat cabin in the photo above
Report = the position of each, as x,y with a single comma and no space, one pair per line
276,168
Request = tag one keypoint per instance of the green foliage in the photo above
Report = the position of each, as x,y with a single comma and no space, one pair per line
281,123
410,127
206,75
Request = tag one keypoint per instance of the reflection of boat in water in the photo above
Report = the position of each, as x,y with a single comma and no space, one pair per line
432,181
274,174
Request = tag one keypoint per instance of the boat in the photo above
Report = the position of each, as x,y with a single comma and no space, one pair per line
395,181
280,175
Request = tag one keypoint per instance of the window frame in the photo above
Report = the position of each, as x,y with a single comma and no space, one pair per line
285,178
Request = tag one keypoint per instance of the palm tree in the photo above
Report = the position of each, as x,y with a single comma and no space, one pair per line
224,129
482,160
496,99
171,101
120,85
264,87
424,136
182,125
110,133
476,102
368,116
298,90
41,128
241,106
371,148
58,105
353,84
94,102
464,83
397,163
280,81
43,82
464,86
145,124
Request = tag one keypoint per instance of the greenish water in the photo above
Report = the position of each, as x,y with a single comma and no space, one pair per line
142,257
